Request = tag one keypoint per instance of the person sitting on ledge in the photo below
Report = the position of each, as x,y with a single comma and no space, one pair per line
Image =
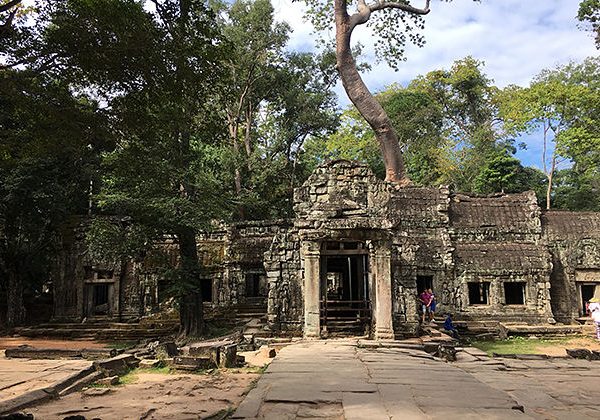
449,327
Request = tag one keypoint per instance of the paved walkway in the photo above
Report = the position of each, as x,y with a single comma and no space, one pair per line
338,380
18,376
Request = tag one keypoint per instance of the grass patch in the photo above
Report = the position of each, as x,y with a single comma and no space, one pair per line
120,345
163,370
522,345
129,378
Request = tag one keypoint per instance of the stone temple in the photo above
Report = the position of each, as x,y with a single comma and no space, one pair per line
356,256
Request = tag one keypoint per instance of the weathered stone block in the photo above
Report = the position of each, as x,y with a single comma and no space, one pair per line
116,365
191,363
166,350
150,363
580,353
95,392
111,380
228,356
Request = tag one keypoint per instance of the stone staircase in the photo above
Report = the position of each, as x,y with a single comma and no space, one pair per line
252,316
101,330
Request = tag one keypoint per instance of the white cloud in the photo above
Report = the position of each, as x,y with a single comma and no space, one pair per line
515,38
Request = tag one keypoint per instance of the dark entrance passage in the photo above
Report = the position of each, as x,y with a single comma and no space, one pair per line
98,299
588,291
345,304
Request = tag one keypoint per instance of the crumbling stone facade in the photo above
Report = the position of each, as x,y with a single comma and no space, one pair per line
360,250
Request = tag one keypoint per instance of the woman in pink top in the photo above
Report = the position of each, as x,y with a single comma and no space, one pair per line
425,298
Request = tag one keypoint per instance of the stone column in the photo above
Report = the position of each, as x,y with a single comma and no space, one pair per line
381,268
312,280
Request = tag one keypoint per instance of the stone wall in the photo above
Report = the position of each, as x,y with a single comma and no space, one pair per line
573,239
525,265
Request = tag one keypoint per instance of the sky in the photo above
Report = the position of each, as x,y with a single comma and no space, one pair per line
516,39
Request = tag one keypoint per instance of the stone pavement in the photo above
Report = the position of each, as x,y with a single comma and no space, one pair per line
18,376
339,380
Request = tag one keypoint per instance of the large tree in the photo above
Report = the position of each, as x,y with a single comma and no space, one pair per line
160,73
50,142
395,23
589,13
563,105
275,99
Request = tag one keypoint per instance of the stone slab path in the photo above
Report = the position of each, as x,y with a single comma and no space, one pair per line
339,380
18,376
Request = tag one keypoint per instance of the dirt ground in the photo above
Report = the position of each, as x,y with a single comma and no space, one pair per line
559,349
156,396
43,343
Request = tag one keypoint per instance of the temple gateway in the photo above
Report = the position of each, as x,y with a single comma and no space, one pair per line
355,258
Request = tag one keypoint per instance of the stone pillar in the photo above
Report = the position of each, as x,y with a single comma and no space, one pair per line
381,268
312,280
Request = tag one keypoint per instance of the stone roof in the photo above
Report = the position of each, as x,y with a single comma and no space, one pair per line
571,225
511,212
501,257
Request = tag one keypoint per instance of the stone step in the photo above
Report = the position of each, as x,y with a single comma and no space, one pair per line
99,334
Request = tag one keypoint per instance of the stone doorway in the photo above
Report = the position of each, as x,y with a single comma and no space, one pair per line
586,292
99,298
345,307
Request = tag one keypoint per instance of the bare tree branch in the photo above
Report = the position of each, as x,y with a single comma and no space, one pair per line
9,5
380,5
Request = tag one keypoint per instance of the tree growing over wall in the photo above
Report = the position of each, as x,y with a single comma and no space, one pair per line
395,23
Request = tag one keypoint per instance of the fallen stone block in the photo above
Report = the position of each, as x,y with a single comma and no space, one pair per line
446,352
431,348
82,383
94,392
210,349
28,399
109,381
29,352
191,363
166,350
18,416
96,354
228,356
149,363
117,365
580,353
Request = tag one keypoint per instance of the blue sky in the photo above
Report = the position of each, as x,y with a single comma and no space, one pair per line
515,38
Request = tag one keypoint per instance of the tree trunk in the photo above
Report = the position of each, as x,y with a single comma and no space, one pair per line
550,178
190,309
367,105
15,310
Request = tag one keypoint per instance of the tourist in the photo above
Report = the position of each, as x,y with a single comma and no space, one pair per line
594,308
425,299
432,305
449,326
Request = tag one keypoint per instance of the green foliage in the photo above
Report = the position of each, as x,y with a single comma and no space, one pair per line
49,145
354,140
394,28
275,101
448,126
563,104
589,13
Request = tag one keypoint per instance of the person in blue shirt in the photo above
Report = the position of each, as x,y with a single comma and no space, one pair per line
449,326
